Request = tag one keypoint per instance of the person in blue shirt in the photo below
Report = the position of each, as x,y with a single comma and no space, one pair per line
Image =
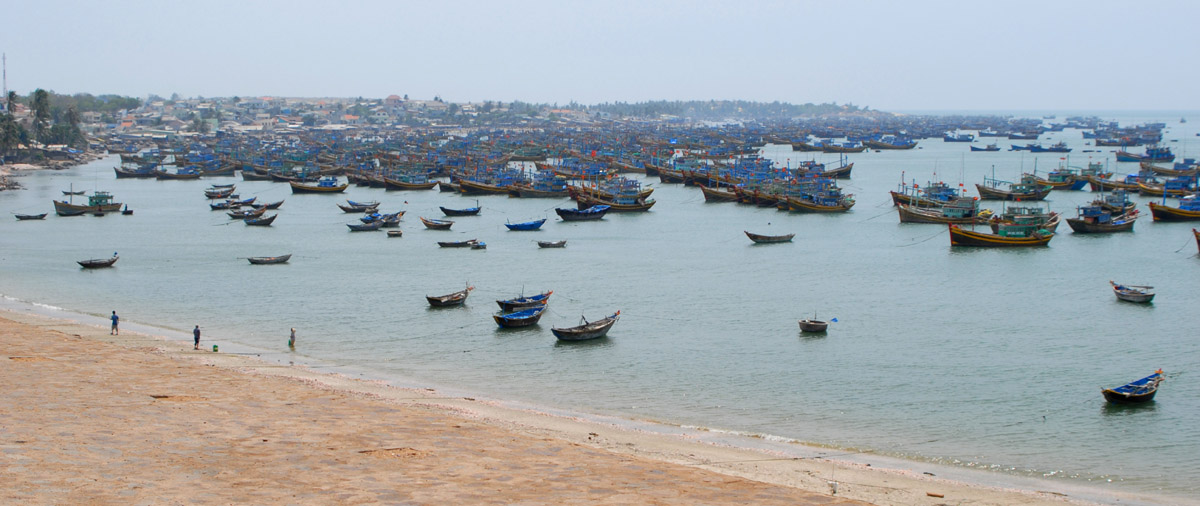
114,330
196,334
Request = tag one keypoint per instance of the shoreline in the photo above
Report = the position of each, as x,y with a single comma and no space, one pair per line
801,468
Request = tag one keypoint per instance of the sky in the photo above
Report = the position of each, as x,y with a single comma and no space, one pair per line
887,55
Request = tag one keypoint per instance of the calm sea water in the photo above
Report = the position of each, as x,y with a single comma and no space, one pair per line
972,357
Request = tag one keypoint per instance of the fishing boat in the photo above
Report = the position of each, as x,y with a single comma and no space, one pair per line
716,194
358,207
587,330
479,245
457,244
281,259
469,211
1026,189
595,212
552,244
522,301
1152,154
989,147
768,239
219,193
1197,234
1095,220
415,182
1009,235
619,205
97,263
73,192
365,227
1135,392
526,226
813,325
1132,293
395,233
961,211
522,318
23,217
271,205
248,213
1188,210
450,299
261,221
1040,217
99,201
435,224
327,184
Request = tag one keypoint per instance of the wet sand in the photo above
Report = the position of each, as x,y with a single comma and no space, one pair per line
90,418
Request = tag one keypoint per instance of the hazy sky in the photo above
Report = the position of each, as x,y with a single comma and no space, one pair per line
890,55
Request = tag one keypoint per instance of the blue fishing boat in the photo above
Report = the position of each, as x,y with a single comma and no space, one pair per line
989,147
1059,147
1135,392
1152,154
528,225
522,318
523,302
595,212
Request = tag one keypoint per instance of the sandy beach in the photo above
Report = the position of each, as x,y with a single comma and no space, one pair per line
91,418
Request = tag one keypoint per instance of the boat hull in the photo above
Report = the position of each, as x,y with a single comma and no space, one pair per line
963,237
1167,213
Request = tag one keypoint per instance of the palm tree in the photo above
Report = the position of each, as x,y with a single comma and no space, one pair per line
41,114
11,100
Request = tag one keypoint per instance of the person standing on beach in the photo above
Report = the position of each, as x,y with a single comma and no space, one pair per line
196,335
114,330
292,340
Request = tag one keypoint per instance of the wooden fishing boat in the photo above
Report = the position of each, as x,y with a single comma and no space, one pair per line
526,226
989,147
807,325
552,244
281,259
1039,217
140,173
768,239
248,213
715,194
72,192
327,184
961,211
617,206
261,221
587,330
100,201
468,211
595,212
400,184
97,263
395,233
181,175
1010,235
1095,220
273,205
468,187
522,318
1135,392
1197,234
218,193
1188,210
523,302
23,217
358,207
365,227
448,186
457,244
1132,293
434,224
1026,189
450,299
1100,184
818,203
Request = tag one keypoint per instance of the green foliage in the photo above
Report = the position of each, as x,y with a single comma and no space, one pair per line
41,114
12,134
